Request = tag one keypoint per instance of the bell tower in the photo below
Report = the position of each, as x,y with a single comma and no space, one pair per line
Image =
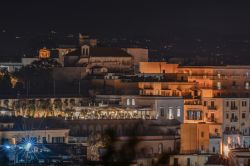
85,50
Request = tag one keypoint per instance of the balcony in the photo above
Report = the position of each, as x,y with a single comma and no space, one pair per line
212,120
193,118
235,119
193,102
212,107
232,132
165,88
148,87
215,135
234,108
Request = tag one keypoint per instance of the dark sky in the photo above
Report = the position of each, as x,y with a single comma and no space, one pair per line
126,17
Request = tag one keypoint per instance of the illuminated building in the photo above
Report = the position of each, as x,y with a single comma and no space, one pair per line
217,96
10,133
239,156
201,138
165,108
114,59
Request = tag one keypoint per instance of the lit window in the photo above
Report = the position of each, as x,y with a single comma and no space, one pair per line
218,85
128,102
247,85
170,113
218,75
133,101
178,112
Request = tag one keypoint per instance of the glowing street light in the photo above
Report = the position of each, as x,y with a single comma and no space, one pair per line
28,146
7,146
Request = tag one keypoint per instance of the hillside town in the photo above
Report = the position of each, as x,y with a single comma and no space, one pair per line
95,105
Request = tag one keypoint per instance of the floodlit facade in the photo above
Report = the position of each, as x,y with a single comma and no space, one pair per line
213,96
201,138
166,108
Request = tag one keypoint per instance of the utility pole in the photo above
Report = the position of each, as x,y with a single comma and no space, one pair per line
27,87
79,88
54,87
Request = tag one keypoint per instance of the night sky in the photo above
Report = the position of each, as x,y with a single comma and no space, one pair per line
155,18
125,17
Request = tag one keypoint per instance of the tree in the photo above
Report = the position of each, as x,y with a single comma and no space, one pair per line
37,76
5,83
31,107
72,102
6,103
58,104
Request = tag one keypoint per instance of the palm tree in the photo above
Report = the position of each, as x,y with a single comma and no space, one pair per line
58,104
72,102
31,107
66,102
46,106
6,103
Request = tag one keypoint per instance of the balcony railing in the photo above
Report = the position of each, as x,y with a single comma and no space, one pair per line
235,119
216,135
148,87
228,132
192,118
196,102
211,107
212,120
234,107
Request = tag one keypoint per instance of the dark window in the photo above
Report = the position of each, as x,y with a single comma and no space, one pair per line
188,162
233,104
205,103
202,134
213,149
176,163
227,103
212,117
162,111
232,115
244,103
212,103
44,140
243,116
227,115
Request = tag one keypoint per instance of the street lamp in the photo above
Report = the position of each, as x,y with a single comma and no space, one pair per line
28,146
7,146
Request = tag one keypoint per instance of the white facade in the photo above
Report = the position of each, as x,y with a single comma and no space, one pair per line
167,108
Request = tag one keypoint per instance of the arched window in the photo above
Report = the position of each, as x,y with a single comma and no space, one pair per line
128,102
